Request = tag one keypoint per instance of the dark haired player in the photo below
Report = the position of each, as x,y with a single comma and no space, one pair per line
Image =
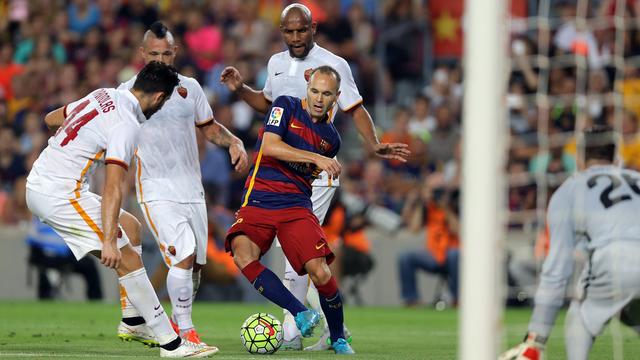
169,188
288,72
103,127
297,142
595,210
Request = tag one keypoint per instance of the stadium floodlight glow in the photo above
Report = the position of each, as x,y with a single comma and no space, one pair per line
483,191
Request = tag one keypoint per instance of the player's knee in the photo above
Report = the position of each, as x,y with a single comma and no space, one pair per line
131,227
130,262
319,272
186,263
243,259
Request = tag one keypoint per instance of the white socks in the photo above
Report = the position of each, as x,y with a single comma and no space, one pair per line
128,310
298,286
141,294
180,289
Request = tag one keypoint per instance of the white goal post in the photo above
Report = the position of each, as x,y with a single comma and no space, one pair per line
484,139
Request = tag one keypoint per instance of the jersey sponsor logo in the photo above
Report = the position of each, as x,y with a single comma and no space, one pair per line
294,126
276,116
172,250
182,91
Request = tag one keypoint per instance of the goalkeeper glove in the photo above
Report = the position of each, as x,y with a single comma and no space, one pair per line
530,349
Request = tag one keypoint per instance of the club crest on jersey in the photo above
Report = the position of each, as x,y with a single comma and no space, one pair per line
275,116
182,91
307,74
324,146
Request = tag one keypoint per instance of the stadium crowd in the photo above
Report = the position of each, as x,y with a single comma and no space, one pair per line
404,55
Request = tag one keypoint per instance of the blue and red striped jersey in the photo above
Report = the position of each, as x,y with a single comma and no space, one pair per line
276,184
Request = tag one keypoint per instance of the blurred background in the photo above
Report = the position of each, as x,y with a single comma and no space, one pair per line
572,64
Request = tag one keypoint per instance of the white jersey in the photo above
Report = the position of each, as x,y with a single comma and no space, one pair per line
167,155
288,76
594,208
100,128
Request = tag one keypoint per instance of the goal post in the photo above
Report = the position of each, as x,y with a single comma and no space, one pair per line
484,142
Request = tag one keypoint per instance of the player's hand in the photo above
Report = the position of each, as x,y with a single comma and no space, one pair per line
231,77
110,256
239,157
331,166
531,349
395,151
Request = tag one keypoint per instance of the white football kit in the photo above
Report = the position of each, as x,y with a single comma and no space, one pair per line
168,179
597,209
100,128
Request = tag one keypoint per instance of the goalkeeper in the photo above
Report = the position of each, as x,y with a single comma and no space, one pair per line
596,208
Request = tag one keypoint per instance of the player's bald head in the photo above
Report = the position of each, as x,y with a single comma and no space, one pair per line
296,11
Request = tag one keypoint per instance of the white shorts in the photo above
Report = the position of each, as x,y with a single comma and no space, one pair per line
77,221
180,229
320,200
608,283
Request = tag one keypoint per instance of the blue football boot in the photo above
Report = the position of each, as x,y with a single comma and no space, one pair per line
306,321
342,347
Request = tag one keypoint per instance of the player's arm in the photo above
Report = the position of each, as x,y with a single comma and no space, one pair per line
235,82
111,202
273,146
55,118
364,124
556,274
221,136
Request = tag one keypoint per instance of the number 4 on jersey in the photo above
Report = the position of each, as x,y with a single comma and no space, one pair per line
72,125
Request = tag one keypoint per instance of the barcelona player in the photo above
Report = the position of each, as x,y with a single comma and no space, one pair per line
297,142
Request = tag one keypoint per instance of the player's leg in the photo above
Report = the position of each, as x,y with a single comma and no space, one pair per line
298,286
133,278
305,246
130,316
331,302
578,340
180,290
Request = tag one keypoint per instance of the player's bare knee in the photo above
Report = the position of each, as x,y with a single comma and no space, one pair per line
130,262
186,263
319,271
244,251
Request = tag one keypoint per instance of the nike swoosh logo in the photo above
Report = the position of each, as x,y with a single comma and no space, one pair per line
318,247
294,126
183,299
278,73
156,307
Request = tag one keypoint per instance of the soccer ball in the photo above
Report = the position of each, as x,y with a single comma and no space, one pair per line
261,333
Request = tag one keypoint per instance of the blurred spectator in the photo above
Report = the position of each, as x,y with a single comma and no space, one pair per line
435,210
204,41
11,162
83,15
443,138
400,133
253,31
335,32
8,69
422,122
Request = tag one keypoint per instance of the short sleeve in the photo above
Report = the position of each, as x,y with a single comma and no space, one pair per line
267,91
277,119
202,109
349,95
121,144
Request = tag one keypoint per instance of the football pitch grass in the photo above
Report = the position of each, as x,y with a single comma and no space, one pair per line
44,330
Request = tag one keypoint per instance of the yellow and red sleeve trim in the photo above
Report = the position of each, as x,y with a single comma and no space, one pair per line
118,162
205,123
64,111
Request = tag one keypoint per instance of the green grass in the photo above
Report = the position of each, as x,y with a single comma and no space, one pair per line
86,330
